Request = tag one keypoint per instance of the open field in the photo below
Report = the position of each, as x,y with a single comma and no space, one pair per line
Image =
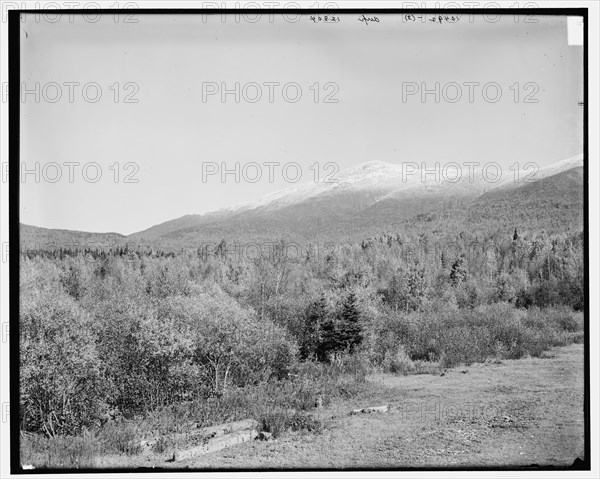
495,414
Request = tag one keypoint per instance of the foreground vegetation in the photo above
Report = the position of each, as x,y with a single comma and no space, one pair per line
124,344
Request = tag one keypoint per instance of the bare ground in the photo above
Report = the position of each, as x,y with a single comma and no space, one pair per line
514,413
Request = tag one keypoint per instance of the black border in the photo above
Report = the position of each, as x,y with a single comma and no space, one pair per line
14,62
14,115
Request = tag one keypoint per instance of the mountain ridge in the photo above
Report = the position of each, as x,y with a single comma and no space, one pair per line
358,188
368,198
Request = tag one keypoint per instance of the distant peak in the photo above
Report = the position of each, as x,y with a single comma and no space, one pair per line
373,167
374,164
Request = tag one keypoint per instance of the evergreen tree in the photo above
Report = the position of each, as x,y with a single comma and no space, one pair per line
341,333
329,339
350,334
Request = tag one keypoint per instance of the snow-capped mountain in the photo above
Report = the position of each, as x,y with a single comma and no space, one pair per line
372,194
388,180
374,197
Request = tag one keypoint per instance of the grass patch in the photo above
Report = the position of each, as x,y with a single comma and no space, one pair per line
60,452
121,438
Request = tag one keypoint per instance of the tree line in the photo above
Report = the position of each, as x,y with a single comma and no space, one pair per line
138,329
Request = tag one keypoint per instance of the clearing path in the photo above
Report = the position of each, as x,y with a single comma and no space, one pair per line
515,413
511,413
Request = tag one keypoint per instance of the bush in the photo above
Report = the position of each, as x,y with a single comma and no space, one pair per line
566,319
463,345
465,336
398,362
228,344
305,422
273,420
62,384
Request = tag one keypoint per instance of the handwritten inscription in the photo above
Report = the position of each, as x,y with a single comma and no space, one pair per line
439,19
324,19
410,18
366,20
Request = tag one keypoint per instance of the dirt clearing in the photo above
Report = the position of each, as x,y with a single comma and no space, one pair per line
512,413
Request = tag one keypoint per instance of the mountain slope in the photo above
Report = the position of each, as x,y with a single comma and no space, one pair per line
33,237
378,195
366,200
555,202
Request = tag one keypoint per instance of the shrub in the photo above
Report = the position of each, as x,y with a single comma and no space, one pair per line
227,342
466,336
62,385
398,362
463,345
305,422
273,420
566,319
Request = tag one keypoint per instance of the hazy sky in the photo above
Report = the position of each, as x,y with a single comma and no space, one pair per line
172,130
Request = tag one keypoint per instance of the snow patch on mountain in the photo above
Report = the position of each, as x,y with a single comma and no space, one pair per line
389,180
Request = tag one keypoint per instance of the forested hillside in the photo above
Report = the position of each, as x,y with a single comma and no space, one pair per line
140,331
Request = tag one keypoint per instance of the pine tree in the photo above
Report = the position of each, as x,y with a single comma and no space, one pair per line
341,333
328,338
350,334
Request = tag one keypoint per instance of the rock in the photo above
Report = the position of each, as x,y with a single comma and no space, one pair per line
204,440
216,444
368,410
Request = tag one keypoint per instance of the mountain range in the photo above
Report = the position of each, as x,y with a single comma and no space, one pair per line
374,197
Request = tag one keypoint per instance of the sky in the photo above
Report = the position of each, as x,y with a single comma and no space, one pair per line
128,116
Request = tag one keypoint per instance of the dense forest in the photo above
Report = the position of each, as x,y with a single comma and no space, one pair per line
131,330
